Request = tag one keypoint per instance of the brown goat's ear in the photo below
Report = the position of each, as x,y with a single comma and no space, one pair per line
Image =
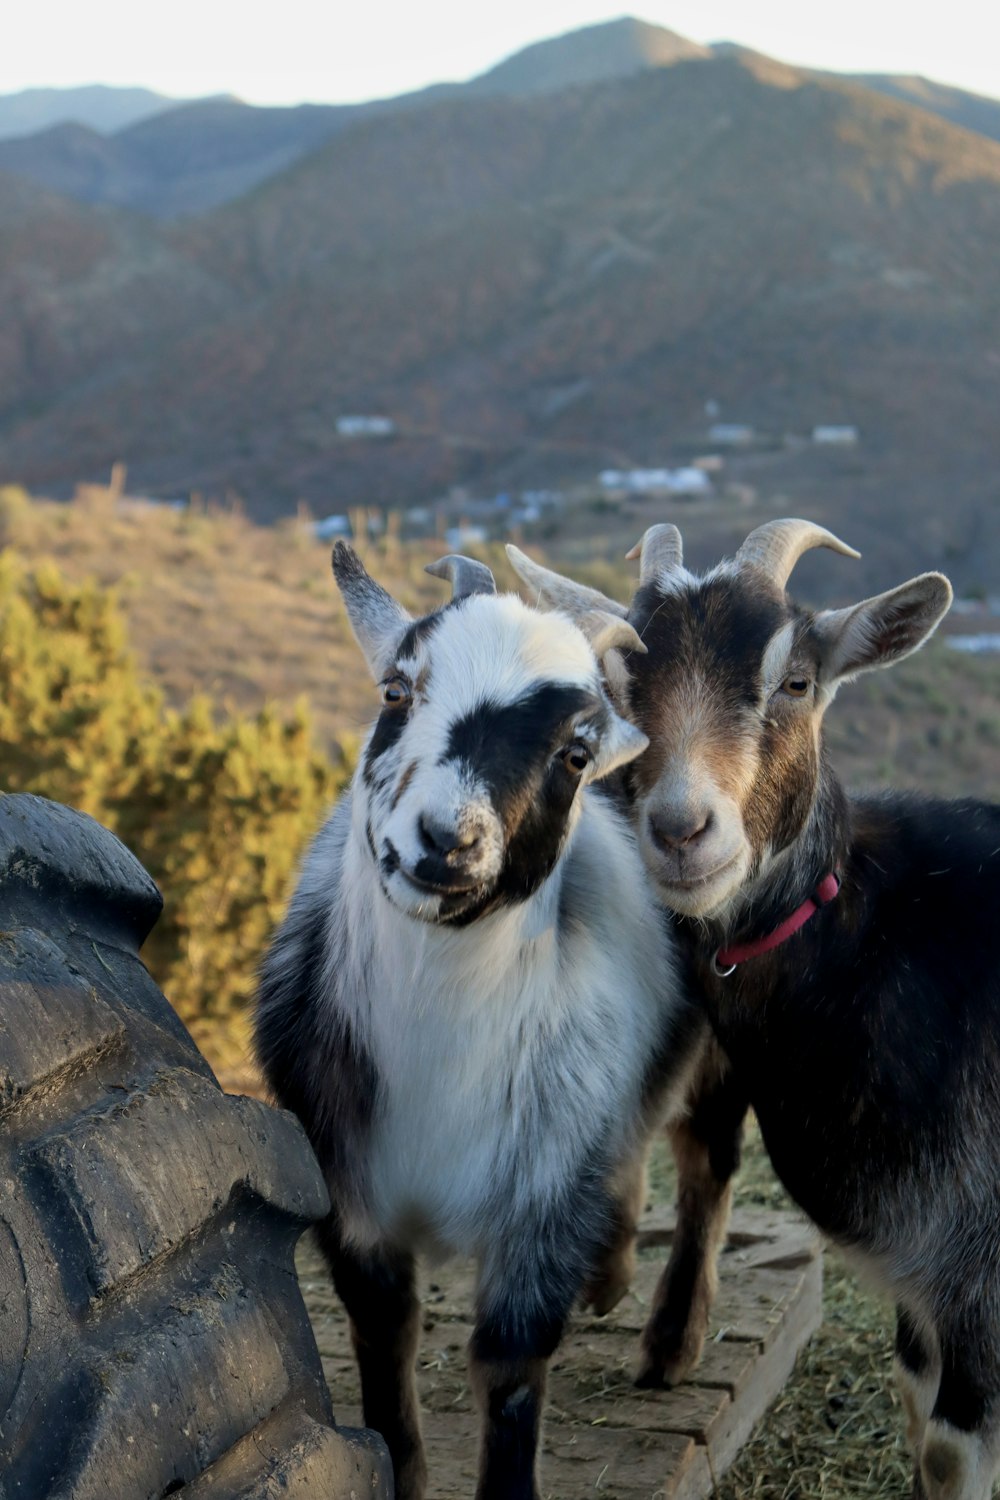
377,621
879,631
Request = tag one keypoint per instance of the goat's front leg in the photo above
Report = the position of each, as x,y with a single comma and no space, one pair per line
378,1289
918,1373
706,1146
960,1453
526,1289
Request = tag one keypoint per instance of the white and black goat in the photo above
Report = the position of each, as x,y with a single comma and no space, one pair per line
473,1004
862,1023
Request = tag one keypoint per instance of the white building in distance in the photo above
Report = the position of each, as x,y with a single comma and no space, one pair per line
365,427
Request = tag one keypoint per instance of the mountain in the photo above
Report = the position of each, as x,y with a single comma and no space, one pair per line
593,54
975,112
971,111
97,106
534,288
86,293
181,160
187,159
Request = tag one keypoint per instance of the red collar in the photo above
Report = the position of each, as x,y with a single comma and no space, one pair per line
726,959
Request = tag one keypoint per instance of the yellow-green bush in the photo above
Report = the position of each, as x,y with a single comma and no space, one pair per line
217,808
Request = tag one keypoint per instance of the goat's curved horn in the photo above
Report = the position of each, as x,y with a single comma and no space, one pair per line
465,575
659,551
606,632
776,547
559,592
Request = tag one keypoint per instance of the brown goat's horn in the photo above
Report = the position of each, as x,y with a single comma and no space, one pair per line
465,575
776,547
660,551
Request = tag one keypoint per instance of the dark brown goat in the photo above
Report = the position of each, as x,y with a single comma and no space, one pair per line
868,1039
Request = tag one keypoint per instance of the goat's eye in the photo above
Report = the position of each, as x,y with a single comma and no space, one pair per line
395,692
576,758
796,686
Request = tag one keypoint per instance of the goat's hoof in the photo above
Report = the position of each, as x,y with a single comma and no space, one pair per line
650,1377
603,1296
660,1371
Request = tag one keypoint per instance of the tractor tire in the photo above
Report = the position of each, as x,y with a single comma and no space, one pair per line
152,1334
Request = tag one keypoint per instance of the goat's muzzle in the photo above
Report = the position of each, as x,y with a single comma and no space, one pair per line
447,862
695,852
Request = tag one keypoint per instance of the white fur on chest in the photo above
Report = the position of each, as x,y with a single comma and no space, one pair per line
510,1053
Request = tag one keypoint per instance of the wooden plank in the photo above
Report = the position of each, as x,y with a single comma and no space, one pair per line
608,1462
601,1435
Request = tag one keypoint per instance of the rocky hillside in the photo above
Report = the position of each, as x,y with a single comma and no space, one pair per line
533,287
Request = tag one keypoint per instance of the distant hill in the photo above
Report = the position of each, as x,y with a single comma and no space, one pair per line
593,54
184,160
973,112
173,160
98,106
87,293
534,288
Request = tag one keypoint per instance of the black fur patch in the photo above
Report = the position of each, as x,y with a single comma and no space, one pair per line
716,1120
388,729
510,1441
968,1382
910,1349
512,748
420,630
312,1061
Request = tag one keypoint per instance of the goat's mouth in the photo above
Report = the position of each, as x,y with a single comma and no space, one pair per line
698,893
434,901
450,888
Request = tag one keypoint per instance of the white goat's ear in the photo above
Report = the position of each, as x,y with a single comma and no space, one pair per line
879,631
377,621
546,587
620,743
609,633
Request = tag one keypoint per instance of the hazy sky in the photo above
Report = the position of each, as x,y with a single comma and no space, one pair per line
297,49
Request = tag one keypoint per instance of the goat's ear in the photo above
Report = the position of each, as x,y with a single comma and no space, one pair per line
377,621
620,742
609,637
879,631
546,587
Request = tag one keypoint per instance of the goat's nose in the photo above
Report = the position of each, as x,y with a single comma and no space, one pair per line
673,831
438,838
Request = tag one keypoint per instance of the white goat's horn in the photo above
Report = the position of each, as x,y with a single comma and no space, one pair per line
465,575
559,592
607,632
659,551
776,547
